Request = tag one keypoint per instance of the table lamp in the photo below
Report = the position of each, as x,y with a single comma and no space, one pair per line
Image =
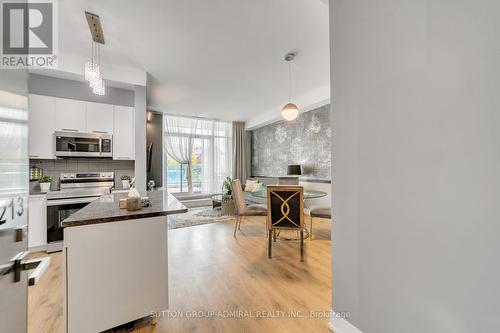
294,170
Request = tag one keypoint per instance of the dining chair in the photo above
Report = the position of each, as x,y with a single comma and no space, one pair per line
319,211
242,209
285,211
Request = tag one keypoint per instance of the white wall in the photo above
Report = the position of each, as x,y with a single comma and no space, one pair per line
416,117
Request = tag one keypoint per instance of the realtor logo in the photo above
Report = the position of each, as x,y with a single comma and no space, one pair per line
29,34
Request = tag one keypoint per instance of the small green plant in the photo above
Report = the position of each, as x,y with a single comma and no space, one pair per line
125,177
227,186
45,179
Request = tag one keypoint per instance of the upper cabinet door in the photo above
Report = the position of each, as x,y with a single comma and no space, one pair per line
41,119
124,135
99,118
70,115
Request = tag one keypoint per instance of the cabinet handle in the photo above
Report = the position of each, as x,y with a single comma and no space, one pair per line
69,129
34,155
101,132
40,265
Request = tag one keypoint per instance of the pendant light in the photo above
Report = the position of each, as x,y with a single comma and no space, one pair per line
92,68
290,111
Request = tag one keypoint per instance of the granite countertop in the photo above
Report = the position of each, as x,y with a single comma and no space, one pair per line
106,209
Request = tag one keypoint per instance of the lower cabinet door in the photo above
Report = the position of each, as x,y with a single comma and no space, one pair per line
37,222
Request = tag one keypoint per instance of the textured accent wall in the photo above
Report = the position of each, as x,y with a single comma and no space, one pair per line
305,141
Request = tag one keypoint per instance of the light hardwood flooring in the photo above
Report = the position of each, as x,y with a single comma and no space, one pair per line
209,270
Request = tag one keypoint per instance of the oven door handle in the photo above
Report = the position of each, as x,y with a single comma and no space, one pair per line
70,201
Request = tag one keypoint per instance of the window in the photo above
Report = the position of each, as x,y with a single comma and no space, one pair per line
198,154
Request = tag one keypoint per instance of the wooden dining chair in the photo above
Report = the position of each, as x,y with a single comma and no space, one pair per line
285,211
242,209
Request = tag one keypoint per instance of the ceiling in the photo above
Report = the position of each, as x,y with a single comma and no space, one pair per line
217,59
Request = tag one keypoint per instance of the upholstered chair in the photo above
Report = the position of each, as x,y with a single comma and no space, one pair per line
242,209
319,211
285,210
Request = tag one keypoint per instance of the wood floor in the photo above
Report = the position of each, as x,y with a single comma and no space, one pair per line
209,270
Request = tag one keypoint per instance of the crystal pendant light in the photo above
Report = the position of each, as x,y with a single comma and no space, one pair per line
93,72
99,88
95,81
290,111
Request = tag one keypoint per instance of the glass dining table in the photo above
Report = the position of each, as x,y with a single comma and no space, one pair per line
308,194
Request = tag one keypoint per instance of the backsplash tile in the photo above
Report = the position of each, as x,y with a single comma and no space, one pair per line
54,168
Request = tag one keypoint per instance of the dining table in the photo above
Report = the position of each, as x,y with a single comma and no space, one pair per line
308,193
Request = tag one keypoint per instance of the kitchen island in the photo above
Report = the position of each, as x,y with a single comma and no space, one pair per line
116,262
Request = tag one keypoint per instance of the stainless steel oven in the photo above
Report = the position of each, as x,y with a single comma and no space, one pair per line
77,191
58,211
75,144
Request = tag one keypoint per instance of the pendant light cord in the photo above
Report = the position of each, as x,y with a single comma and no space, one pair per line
289,81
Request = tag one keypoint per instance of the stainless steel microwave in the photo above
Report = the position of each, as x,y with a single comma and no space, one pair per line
75,144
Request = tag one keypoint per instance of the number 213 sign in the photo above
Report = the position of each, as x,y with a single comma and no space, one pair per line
12,211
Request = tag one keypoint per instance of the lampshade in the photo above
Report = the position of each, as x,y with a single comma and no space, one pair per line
294,170
290,112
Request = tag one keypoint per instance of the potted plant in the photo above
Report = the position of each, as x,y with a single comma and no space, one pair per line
45,183
125,182
227,187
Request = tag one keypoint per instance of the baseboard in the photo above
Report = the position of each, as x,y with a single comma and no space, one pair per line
337,324
40,248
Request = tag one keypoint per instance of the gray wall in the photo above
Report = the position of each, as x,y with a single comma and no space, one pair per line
140,137
54,168
51,86
154,134
416,118
14,80
305,141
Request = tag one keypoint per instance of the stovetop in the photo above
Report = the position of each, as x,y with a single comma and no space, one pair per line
82,185
77,193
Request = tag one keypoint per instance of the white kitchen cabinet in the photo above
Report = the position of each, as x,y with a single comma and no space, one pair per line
37,222
99,118
50,114
41,126
124,133
70,115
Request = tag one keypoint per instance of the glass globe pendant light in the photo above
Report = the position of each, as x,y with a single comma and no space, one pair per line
290,111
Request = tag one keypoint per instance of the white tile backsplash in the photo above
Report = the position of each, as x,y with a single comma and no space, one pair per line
54,168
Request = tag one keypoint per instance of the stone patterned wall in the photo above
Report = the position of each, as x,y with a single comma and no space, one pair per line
305,141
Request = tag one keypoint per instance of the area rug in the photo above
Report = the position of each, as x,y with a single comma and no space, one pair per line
197,216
